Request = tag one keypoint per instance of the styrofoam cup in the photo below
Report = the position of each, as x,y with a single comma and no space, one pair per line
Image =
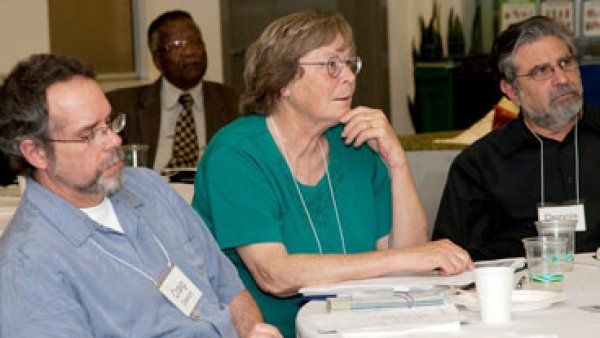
494,291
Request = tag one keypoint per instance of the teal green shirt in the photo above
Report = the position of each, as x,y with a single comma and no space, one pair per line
245,193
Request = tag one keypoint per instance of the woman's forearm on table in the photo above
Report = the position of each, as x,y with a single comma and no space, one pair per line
283,274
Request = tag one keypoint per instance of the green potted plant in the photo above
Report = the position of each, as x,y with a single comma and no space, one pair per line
455,38
431,39
476,34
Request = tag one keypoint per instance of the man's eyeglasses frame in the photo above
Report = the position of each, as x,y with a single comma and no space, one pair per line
114,124
547,71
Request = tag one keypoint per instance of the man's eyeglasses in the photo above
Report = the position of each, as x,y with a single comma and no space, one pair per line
335,65
98,135
179,45
546,71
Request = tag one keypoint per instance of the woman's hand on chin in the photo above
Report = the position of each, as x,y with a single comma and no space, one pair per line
364,124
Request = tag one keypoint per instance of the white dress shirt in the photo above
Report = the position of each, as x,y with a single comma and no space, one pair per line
170,109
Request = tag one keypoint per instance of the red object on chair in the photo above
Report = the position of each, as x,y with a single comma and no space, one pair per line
504,111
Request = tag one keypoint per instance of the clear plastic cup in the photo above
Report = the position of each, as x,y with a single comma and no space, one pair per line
135,155
560,230
545,260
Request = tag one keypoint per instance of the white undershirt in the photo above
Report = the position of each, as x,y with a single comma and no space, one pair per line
104,214
169,111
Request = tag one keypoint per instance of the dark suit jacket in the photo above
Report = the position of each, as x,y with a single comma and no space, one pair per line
142,106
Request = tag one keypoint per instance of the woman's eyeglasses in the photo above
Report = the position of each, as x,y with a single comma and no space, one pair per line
335,65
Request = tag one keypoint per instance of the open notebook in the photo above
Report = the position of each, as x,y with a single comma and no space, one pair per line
403,282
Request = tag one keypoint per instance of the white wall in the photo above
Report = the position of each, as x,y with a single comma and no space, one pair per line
23,31
403,29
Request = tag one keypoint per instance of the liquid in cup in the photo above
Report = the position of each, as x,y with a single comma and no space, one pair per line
564,229
135,155
545,262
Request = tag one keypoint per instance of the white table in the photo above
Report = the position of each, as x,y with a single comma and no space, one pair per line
582,287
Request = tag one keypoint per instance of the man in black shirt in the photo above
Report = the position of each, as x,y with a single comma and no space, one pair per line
548,156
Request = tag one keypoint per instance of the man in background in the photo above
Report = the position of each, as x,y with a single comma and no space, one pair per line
94,250
542,165
179,113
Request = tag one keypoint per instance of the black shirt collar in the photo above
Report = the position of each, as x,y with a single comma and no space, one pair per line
515,134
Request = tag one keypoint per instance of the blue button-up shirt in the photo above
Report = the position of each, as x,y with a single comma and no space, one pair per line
54,282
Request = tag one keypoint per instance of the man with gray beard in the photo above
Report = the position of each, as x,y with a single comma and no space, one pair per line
95,250
543,164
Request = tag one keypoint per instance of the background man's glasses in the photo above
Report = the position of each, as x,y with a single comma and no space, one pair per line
179,45
98,135
546,71
335,65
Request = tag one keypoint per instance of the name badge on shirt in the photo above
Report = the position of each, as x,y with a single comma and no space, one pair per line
180,291
563,212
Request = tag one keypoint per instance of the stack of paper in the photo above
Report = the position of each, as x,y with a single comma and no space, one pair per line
399,282
391,301
442,334
429,318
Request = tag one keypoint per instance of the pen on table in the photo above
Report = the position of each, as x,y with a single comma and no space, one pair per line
307,298
396,291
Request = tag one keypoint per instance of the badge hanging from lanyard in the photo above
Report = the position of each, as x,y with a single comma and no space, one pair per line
566,211
180,291
176,286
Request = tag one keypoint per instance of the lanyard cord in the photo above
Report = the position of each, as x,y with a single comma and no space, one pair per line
131,266
335,208
542,188
310,221
542,184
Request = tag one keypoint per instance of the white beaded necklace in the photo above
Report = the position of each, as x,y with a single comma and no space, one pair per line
335,209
